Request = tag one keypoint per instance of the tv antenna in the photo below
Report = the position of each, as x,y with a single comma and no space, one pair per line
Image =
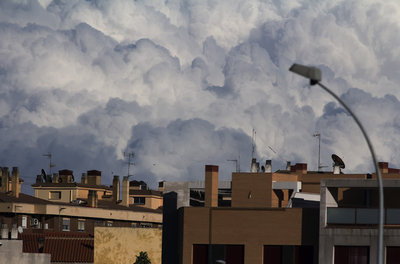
318,135
237,163
51,165
130,157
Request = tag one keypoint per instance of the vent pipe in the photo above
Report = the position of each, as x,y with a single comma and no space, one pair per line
268,166
254,166
288,167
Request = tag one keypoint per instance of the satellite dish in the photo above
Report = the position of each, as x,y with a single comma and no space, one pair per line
59,180
44,176
20,230
338,161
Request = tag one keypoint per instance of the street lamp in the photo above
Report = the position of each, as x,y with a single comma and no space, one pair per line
59,222
314,75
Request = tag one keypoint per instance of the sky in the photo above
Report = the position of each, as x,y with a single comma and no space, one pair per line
183,83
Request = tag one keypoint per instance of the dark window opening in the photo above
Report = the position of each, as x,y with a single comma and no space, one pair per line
351,255
139,200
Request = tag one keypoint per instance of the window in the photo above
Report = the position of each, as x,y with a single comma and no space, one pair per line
351,254
99,223
55,195
145,225
66,222
81,225
392,255
139,200
233,254
24,221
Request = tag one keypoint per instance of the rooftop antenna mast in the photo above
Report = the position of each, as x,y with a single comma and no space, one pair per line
51,165
130,157
253,143
318,135
237,163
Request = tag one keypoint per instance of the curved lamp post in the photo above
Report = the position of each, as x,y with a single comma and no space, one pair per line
314,75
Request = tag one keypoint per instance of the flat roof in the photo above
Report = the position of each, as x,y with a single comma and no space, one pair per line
359,183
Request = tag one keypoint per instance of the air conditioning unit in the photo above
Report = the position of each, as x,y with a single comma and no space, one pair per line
35,222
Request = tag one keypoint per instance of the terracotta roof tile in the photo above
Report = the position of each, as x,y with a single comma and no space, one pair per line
63,246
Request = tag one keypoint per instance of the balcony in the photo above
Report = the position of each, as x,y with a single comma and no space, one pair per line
361,216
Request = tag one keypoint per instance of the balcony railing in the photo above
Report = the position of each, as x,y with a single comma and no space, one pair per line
361,216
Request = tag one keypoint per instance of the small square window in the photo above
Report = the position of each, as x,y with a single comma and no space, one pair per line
66,224
139,200
99,223
81,225
24,221
55,195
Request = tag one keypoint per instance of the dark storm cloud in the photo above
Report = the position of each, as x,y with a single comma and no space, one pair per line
172,80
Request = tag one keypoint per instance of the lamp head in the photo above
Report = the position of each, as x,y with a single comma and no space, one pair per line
312,73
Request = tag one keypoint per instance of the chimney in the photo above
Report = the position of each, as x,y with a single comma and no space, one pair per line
92,198
383,167
39,179
65,176
125,191
299,168
15,186
55,178
268,166
336,169
161,186
84,178
288,165
254,166
211,186
5,180
4,231
115,194
94,177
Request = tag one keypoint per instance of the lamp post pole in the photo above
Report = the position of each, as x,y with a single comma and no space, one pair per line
314,74
59,222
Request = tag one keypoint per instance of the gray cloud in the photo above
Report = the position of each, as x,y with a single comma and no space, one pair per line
87,80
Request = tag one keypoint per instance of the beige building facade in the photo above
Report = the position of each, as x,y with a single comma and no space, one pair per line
122,245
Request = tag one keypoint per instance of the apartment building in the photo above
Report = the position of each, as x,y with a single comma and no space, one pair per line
273,217
62,187
77,207
256,227
348,225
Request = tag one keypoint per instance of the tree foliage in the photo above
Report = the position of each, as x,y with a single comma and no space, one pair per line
143,258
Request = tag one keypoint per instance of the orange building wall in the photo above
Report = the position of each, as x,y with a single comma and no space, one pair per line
242,227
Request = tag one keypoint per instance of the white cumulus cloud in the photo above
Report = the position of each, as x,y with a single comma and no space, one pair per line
183,83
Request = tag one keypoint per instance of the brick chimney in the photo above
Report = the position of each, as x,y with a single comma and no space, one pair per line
115,194
92,198
94,177
211,186
65,176
84,178
5,178
125,191
383,167
15,186
299,168
55,178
